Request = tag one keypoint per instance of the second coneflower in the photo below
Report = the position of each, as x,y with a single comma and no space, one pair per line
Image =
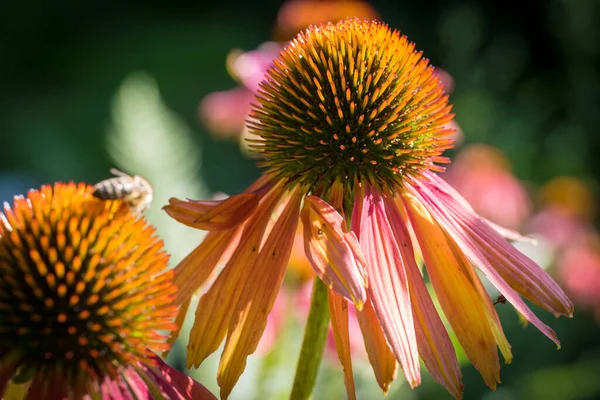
84,301
350,121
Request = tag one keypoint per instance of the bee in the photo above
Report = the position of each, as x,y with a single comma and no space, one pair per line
134,190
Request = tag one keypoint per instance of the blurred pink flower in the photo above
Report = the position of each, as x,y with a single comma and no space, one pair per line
482,175
448,84
225,112
579,270
567,208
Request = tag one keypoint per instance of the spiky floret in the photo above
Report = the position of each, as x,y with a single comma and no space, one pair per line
80,290
351,100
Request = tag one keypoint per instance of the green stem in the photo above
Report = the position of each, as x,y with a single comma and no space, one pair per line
313,343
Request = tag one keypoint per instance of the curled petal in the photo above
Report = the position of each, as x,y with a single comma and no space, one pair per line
435,347
257,296
338,310
334,254
388,285
213,215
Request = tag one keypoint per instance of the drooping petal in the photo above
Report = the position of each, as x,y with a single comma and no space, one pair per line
222,214
490,309
388,285
460,301
338,310
257,295
213,215
519,271
195,269
460,228
380,355
214,308
435,347
524,275
334,254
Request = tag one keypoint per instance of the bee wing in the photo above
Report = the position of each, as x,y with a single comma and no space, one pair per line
117,172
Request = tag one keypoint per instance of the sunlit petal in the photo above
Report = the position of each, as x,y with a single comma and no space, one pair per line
257,296
213,215
214,308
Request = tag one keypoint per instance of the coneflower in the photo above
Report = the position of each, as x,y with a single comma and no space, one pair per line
84,303
351,123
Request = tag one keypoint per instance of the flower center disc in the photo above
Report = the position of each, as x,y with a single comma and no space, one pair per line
351,100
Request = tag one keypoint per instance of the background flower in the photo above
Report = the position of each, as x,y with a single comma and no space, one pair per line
84,301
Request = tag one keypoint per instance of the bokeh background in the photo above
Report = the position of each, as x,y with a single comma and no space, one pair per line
88,86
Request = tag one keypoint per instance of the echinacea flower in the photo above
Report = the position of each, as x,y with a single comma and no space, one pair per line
351,123
83,303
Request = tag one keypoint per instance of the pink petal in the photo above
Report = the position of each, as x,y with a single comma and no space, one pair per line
334,254
176,385
388,285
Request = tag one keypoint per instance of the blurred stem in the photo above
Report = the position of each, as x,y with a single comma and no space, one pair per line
313,343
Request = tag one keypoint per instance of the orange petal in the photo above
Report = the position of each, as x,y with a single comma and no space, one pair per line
491,313
195,269
388,285
338,310
213,215
334,254
380,355
435,347
461,303
214,308
258,295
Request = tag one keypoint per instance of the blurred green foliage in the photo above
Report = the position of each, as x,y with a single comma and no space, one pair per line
527,80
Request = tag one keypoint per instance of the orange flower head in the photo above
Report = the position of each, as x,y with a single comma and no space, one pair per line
296,15
81,294
352,99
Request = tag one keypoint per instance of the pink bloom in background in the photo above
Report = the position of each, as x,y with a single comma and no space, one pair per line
579,270
481,174
448,84
567,209
225,112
